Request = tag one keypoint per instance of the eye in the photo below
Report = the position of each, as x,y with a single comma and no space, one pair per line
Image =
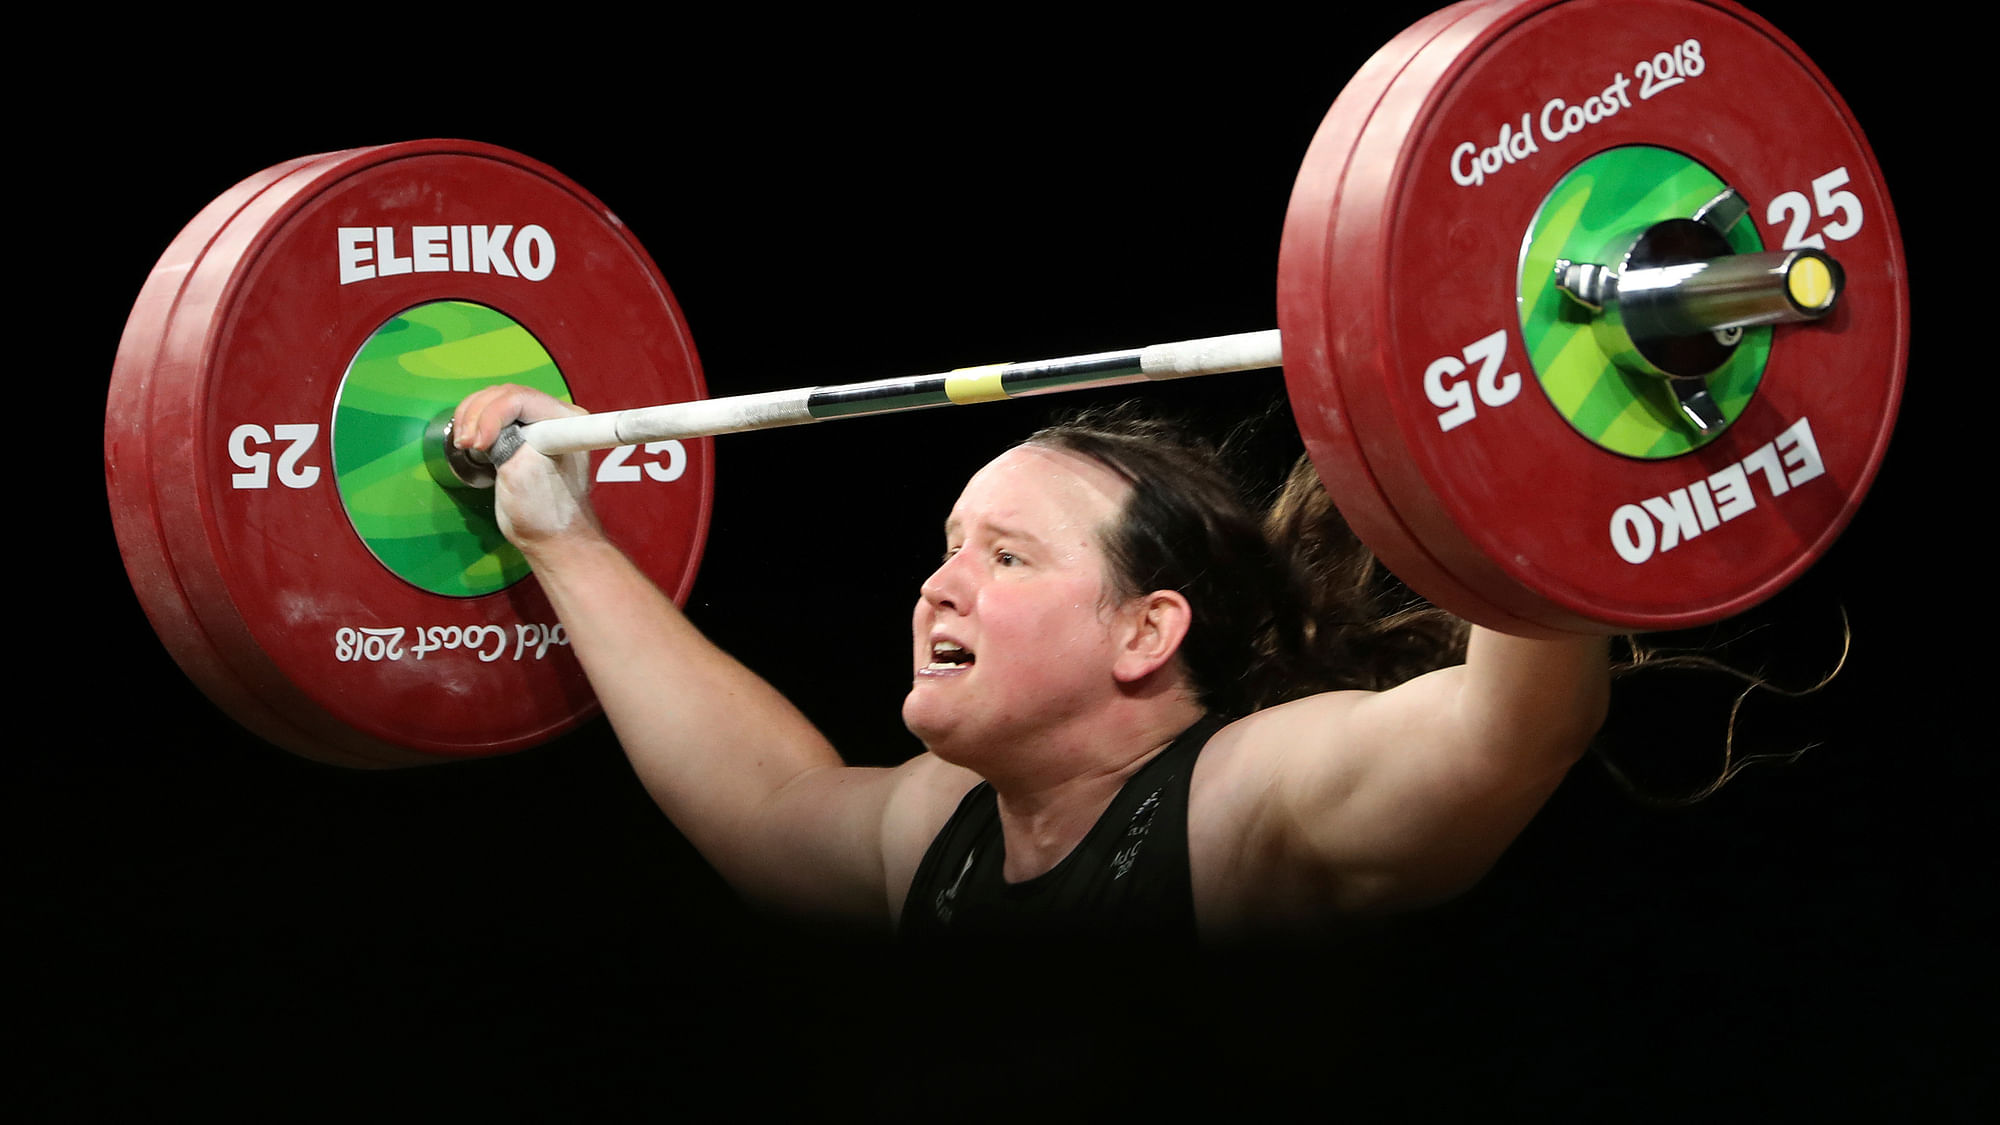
1006,558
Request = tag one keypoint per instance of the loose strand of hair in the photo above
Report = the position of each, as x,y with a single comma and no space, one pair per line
1646,659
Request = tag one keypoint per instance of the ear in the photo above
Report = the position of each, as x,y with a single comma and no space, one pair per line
1155,626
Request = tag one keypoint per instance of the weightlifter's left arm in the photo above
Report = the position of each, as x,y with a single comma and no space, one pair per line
1363,801
744,775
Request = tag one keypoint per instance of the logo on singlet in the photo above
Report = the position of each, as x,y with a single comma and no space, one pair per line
945,897
1135,834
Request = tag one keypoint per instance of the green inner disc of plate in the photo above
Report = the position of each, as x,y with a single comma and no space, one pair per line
416,367
1593,215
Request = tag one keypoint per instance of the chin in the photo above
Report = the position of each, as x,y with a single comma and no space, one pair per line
917,720
922,719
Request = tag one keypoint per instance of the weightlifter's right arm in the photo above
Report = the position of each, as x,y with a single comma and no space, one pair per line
738,769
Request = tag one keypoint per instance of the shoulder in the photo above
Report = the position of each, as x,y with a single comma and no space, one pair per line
847,840
1247,845
924,793
1252,760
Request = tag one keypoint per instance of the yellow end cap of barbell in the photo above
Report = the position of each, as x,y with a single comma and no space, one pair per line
1810,283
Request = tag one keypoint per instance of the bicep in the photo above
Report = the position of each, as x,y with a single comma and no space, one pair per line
1412,793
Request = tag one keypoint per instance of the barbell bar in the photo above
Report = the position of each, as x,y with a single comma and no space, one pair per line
1706,299
1214,355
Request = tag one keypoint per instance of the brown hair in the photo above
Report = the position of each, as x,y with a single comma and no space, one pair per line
1364,629
1284,604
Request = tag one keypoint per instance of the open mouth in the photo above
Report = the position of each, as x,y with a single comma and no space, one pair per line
947,656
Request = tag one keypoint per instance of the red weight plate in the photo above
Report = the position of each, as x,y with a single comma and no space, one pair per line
128,470
1520,509
299,615
1309,315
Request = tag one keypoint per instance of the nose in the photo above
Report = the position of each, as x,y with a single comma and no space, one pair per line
944,589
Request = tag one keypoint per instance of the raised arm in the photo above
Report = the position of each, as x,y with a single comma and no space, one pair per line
745,776
1370,800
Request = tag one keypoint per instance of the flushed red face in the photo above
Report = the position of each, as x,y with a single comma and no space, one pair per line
1012,634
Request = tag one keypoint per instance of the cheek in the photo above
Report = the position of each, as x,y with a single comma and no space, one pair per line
1067,623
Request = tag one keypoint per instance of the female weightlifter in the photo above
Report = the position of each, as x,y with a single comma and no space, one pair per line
1140,717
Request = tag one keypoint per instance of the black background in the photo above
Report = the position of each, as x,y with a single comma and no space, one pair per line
218,928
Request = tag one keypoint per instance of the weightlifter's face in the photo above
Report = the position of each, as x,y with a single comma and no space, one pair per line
1011,634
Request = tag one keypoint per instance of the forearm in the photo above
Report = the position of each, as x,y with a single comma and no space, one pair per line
742,774
711,741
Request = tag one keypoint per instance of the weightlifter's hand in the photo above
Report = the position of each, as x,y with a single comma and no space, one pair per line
537,498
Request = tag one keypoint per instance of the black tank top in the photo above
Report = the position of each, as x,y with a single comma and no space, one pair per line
1128,878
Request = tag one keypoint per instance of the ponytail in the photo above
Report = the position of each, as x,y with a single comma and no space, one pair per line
1362,628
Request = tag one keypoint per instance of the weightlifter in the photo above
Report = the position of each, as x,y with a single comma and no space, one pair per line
1123,692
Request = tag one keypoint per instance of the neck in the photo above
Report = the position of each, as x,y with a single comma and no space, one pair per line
1045,814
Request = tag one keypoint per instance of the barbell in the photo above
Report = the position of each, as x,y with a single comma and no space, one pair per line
1580,338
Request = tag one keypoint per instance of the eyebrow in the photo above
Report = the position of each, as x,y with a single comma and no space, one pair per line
1000,531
